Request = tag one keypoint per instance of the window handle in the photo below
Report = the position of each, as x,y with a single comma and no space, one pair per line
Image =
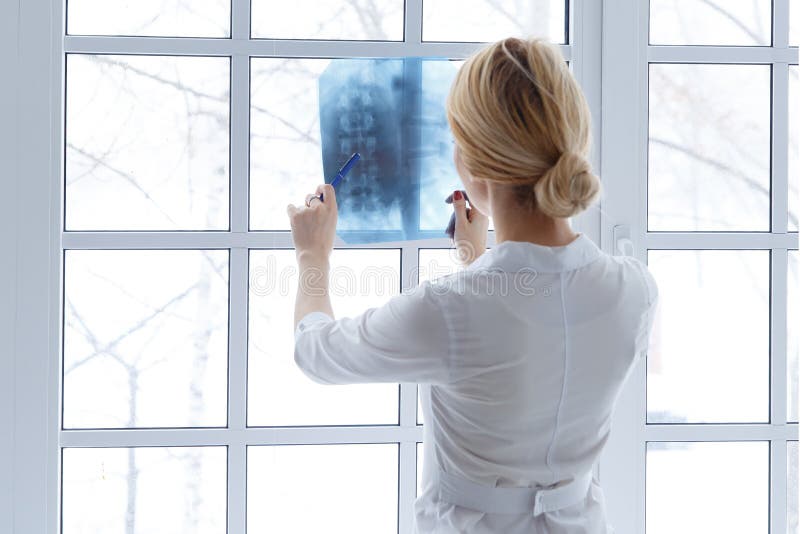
623,244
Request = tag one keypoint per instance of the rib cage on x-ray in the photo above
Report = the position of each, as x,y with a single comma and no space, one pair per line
392,112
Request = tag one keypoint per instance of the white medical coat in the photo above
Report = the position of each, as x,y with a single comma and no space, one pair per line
520,358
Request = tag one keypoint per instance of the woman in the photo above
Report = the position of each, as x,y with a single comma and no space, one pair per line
520,357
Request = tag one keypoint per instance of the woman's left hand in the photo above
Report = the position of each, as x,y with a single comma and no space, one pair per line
314,224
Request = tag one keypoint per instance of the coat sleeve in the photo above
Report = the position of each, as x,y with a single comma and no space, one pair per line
405,340
648,316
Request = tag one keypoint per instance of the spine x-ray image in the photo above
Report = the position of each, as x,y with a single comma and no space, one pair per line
392,112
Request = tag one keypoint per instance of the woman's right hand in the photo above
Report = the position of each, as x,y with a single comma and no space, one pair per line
471,227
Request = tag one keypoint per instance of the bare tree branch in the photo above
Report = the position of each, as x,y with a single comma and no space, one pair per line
125,176
738,23
734,173
200,94
108,347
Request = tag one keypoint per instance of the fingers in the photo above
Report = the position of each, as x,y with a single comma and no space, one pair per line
459,206
291,209
310,198
451,227
328,193
449,199
474,214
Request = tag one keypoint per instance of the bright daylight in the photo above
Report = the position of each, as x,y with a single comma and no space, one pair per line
399,266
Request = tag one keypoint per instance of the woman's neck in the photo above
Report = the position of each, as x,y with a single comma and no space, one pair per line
512,223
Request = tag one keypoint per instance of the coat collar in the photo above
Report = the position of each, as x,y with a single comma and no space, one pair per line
511,256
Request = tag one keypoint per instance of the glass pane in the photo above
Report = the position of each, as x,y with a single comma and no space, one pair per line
279,394
791,483
397,190
794,23
491,20
147,143
709,357
437,262
702,22
709,149
145,338
144,490
162,18
794,147
380,20
793,335
695,487
322,488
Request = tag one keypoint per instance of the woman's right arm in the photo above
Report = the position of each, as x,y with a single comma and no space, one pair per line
405,340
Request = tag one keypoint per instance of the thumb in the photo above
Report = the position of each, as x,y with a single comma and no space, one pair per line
460,206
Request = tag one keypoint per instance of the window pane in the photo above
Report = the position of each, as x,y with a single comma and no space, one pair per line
279,394
397,190
322,488
793,335
695,487
701,22
143,490
285,152
437,262
791,483
164,18
794,23
380,20
794,147
709,357
709,149
147,143
490,20
145,338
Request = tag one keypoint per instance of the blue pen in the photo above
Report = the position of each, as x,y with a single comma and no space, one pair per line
343,171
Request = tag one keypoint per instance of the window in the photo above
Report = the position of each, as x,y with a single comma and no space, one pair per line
187,130
713,212
160,143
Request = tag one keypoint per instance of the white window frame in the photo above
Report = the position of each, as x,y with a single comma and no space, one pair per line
612,34
626,56
30,378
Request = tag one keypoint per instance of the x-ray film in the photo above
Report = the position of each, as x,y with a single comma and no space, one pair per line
392,112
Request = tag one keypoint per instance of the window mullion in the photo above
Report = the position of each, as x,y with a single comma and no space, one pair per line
778,333
407,486
239,128
409,271
240,19
780,23
719,54
412,29
780,144
777,483
239,142
237,339
268,48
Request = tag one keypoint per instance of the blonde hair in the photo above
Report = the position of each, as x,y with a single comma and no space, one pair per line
519,118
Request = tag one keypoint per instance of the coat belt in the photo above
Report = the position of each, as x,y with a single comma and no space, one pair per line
499,500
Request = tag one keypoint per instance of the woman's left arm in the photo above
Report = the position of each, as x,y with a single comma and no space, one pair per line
405,340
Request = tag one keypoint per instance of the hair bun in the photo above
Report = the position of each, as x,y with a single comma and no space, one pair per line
568,187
